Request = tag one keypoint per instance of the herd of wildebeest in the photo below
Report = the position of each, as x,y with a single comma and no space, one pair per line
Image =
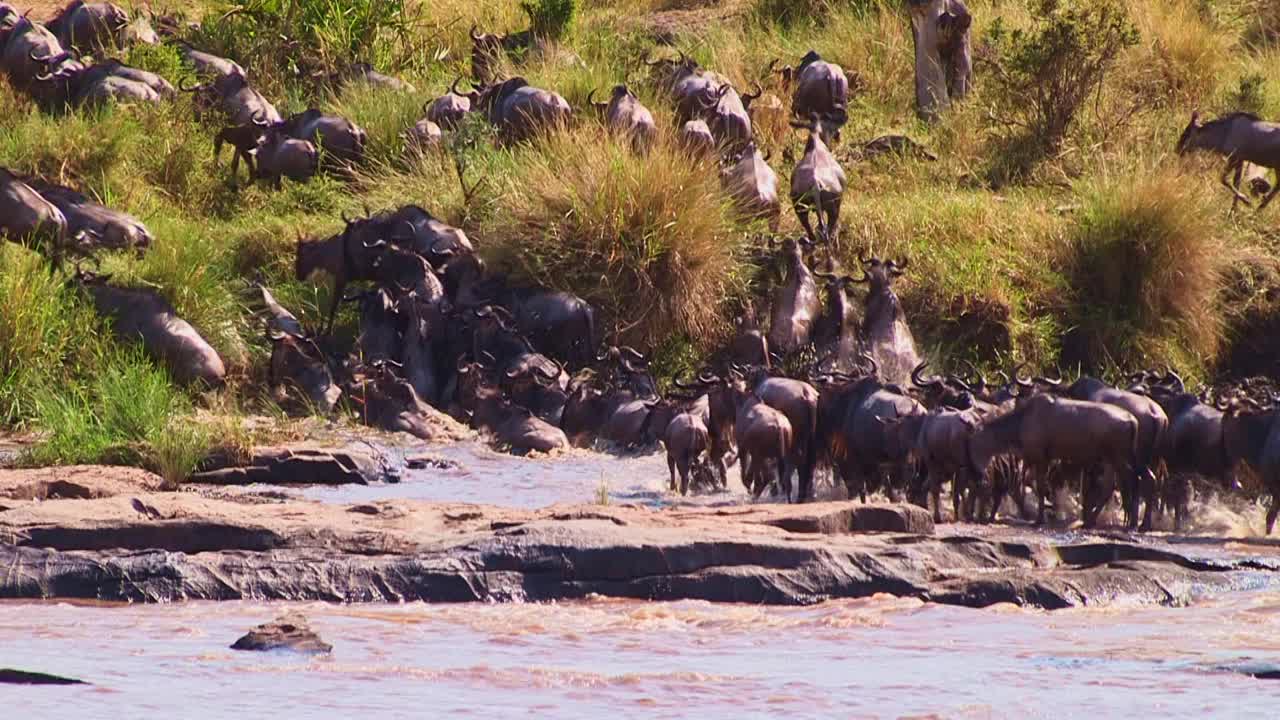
821,384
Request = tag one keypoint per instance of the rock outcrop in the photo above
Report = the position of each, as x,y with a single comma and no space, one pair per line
191,545
291,633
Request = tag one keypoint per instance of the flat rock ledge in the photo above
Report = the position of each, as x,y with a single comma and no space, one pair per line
147,546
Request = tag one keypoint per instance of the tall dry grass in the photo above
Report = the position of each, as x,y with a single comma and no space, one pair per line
1146,260
650,240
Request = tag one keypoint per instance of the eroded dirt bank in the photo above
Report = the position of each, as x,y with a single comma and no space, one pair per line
108,534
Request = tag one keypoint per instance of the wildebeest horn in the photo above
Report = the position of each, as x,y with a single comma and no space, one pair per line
259,118
864,259
706,377
1174,378
687,386
373,245
48,59
474,36
875,366
922,382
343,214
633,353
182,85
1017,377
276,335
747,98
981,379
1051,382
772,67
646,60
592,102
862,280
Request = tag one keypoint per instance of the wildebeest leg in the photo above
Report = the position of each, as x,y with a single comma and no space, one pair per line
999,488
1273,511
339,286
1233,166
1271,195
833,222
683,465
1040,476
671,466
935,490
802,212
1147,481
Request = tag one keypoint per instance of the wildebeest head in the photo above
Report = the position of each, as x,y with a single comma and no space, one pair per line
486,53
1185,141
298,362
669,71
880,274
788,72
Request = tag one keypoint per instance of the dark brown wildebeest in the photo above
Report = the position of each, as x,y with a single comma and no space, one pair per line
87,27
692,88
336,137
1080,435
943,59
626,115
795,304
728,114
821,87
279,156
696,138
520,111
765,441
206,63
753,185
489,49
1251,434
817,185
94,226
449,109
140,314
238,100
886,337
347,256
298,364
1242,138
366,74
26,216
687,440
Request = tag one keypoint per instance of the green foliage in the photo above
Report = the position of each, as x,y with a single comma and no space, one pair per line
1043,74
128,413
1250,94
282,39
549,18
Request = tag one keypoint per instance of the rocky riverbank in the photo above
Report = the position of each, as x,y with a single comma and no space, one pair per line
109,534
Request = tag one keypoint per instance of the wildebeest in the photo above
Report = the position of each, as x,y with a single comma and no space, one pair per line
89,26
29,51
686,440
821,87
141,314
1251,435
238,100
105,81
817,185
1242,138
835,332
764,438
449,109
795,304
297,363
279,155
727,114
365,73
390,402
520,111
489,49
279,319
335,137
1193,444
852,432
626,115
207,63
244,139
26,216
422,137
414,228
1153,423
99,226
753,185
696,138
1083,436
509,423
346,256
559,324
885,333
692,88
943,60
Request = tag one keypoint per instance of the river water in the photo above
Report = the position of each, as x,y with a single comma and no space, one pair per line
880,657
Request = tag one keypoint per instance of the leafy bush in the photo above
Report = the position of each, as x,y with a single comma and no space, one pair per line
1250,94
1044,73
549,18
280,38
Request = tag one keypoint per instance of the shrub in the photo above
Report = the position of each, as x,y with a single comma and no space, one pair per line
1250,94
320,36
1179,45
649,240
1043,74
549,18
1146,263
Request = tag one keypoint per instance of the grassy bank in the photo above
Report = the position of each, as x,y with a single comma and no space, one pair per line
1106,251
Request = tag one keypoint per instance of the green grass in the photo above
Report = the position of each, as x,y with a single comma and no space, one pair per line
1020,270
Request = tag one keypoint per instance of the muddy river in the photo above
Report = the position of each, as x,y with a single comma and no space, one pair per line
877,657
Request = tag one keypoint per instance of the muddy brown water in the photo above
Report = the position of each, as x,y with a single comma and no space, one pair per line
880,657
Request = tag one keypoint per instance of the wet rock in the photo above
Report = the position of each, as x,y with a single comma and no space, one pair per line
1255,669
9,676
290,632
297,465
394,551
